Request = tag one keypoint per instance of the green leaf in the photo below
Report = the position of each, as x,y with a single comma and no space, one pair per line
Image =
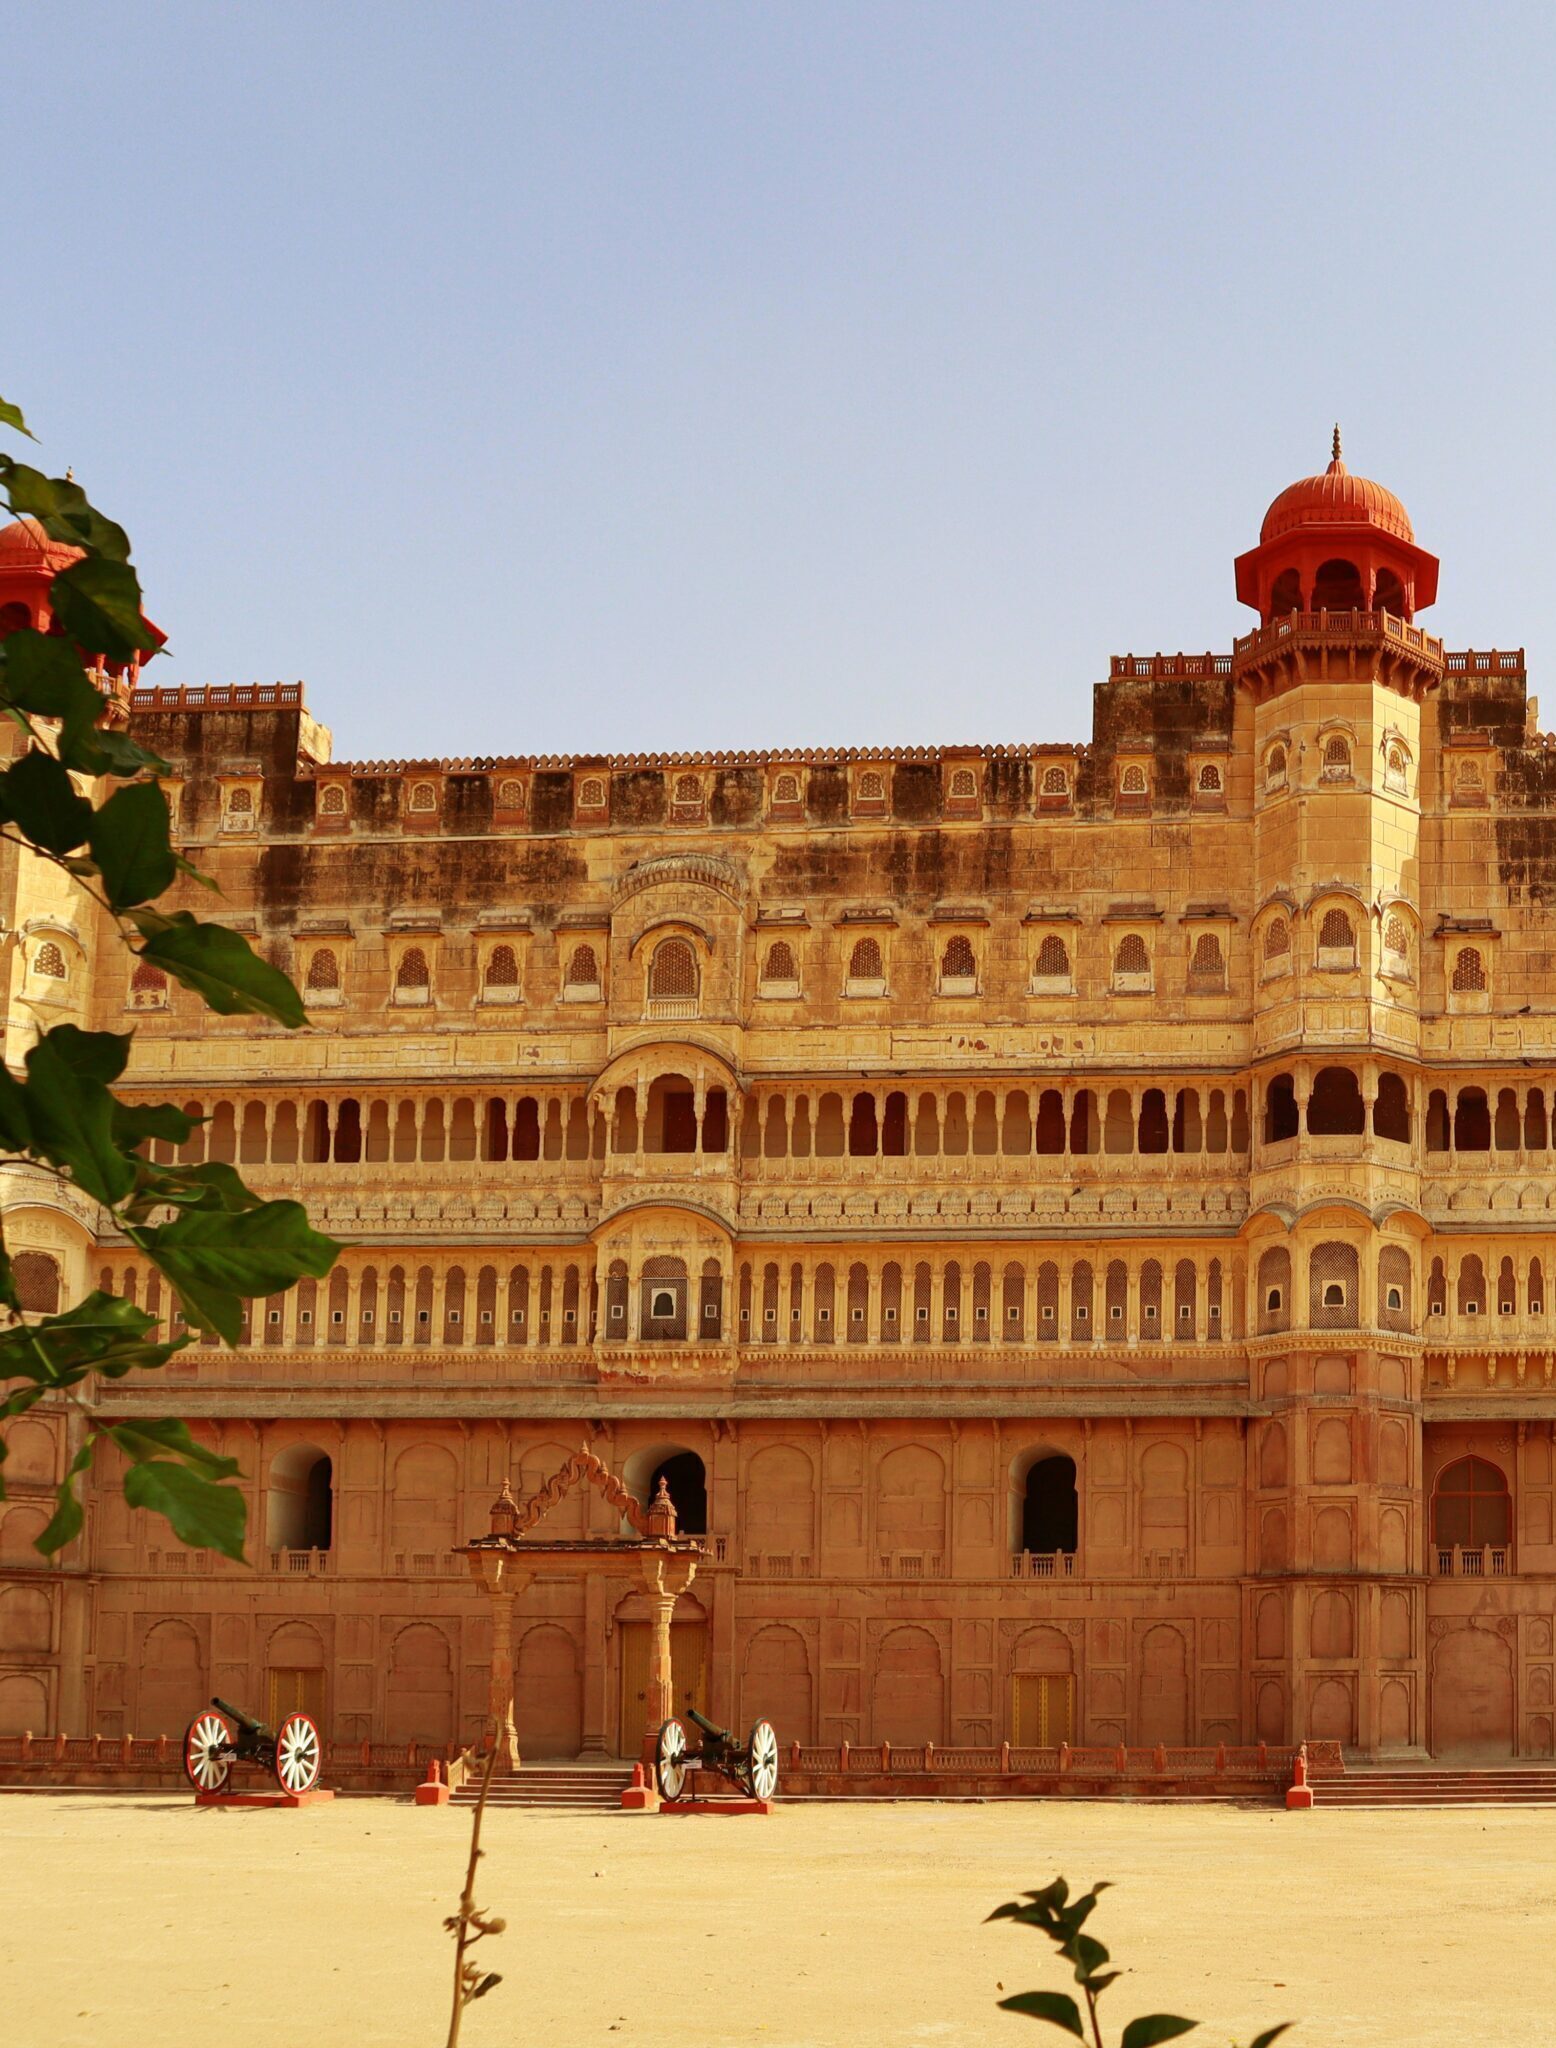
1271,2034
94,1055
68,1518
134,1123
1154,2027
130,841
11,416
64,510
1056,2007
219,965
103,1333
15,1115
205,1515
97,603
42,676
1086,1954
72,1115
108,752
40,796
213,1257
145,1439
9,1298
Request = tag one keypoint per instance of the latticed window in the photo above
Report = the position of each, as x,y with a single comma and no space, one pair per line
1468,778
1396,940
37,1282
872,788
964,785
148,986
591,794
865,963
238,813
1131,958
583,968
1132,782
1337,756
786,790
1274,1302
688,790
1469,971
332,800
1275,768
1471,1506
1277,939
49,961
780,965
510,796
1053,959
424,797
958,962
1209,963
1210,780
1056,782
673,971
1396,769
502,968
1336,934
324,969
413,971
1332,1287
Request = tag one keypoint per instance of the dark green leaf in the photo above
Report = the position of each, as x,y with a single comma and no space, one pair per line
93,1055
97,602
211,1186
213,1257
106,752
145,1439
1154,2027
219,965
40,796
104,1333
1271,2034
129,838
1054,2006
64,510
204,1515
11,416
9,1298
1086,1954
42,676
67,1520
15,1115
133,1123
72,1116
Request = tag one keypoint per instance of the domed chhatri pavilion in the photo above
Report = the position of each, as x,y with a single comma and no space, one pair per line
1073,1224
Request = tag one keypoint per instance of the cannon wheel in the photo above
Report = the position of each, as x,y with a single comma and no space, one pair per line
299,1754
762,1760
204,1739
670,1760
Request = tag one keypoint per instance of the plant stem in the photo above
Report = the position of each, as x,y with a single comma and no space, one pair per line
467,1900
1091,2007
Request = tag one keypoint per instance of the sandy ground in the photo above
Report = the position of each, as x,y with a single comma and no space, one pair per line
139,1923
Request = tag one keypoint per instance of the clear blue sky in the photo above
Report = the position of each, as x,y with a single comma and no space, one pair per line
566,377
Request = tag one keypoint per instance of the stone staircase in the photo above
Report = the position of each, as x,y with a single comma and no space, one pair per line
573,1788
1438,1785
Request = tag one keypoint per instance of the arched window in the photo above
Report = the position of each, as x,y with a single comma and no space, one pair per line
148,987
1388,593
780,964
672,974
1050,1509
1471,1507
1210,783
37,1282
1469,785
865,963
1336,940
1333,1287
238,810
1286,596
49,961
1280,1110
502,974
1274,1296
1337,758
300,1501
1131,963
1391,1109
1338,588
412,972
1132,782
510,796
583,969
332,800
1277,941
786,790
1207,969
1396,947
323,971
1396,768
424,796
591,793
686,1481
1469,971
964,786
1394,1287
1053,962
872,788
958,963
688,792
1056,782
1275,768
1335,1108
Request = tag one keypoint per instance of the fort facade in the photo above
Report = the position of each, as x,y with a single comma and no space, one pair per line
1073,1223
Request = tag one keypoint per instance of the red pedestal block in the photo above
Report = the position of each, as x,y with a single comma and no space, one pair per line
429,1793
317,1797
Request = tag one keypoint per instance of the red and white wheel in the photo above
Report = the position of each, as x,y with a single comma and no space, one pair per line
208,1747
299,1754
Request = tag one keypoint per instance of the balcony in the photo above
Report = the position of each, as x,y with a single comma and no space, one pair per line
1462,1561
1042,1564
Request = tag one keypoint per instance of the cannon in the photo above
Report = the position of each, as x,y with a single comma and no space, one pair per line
214,1742
751,1766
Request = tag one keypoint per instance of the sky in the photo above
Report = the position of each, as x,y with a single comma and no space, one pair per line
610,378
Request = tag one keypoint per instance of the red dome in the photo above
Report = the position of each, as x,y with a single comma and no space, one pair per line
25,545
1336,499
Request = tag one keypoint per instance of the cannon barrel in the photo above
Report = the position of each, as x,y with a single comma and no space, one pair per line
243,1720
708,1727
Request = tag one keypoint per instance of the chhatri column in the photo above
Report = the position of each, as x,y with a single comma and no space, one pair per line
666,1575
496,1568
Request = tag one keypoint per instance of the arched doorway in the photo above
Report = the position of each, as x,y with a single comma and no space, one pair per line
299,1506
294,1675
1042,1690
1472,1695
688,1666
548,1694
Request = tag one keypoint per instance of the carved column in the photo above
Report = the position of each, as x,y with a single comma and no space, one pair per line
665,1578
502,1581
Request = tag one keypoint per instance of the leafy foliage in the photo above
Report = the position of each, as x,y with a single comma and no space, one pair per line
1053,1912
82,795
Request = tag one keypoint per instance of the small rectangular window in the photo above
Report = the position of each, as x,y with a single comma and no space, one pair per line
1082,1312
1013,1315
1048,1315
570,1317
1215,1311
453,1315
891,1315
710,1311
950,1315
517,1316
274,1316
923,1315
394,1315
617,1311
367,1315
424,1315
1150,1313
825,1316
305,1317
858,1315
1116,1313
337,1315
1184,1312
486,1315
980,1315
770,1315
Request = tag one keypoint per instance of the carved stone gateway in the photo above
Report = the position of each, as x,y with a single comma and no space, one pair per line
507,1560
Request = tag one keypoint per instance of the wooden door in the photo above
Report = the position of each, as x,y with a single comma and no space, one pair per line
688,1677
1042,1709
295,1690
